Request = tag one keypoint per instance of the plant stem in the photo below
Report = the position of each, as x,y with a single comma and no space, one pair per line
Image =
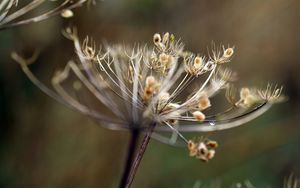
133,143
139,156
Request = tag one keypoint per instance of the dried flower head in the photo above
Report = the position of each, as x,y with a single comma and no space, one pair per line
202,149
10,17
158,89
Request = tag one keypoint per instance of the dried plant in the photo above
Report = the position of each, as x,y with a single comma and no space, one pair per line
9,17
154,90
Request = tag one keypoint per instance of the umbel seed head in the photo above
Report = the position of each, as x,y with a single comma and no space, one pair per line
163,85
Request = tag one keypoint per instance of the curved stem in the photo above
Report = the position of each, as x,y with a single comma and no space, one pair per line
139,156
134,136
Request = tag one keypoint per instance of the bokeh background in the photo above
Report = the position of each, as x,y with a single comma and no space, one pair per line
44,144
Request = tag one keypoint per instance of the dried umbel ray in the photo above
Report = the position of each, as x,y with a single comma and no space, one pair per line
156,89
10,17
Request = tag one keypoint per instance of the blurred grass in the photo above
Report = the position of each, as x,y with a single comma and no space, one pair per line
44,144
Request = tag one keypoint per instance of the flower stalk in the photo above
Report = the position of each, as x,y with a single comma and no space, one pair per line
139,156
132,146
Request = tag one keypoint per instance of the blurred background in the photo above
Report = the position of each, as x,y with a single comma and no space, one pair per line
44,144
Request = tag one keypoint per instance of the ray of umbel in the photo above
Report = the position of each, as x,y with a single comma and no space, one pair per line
152,90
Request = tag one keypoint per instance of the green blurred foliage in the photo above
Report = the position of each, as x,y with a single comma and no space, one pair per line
44,144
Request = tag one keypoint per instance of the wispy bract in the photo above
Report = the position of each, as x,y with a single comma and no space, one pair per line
156,89
13,14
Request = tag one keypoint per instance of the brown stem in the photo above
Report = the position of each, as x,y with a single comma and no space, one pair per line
133,143
139,156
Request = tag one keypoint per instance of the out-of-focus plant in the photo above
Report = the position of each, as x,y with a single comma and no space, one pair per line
153,91
290,182
9,17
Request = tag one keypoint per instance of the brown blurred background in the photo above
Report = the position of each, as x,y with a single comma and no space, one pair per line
44,144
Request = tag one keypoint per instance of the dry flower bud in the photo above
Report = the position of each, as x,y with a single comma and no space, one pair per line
166,38
156,39
210,154
148,92
203,103
249,100
173,118
150,81
151,88
211,144
67,13
202,149
202,152
164,58
192,147
199,116
198,63
228,53
244,93
173,121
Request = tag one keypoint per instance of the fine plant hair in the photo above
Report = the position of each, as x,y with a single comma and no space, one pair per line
158,91
11,14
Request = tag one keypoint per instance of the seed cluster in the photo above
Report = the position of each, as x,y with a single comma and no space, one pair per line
203,150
